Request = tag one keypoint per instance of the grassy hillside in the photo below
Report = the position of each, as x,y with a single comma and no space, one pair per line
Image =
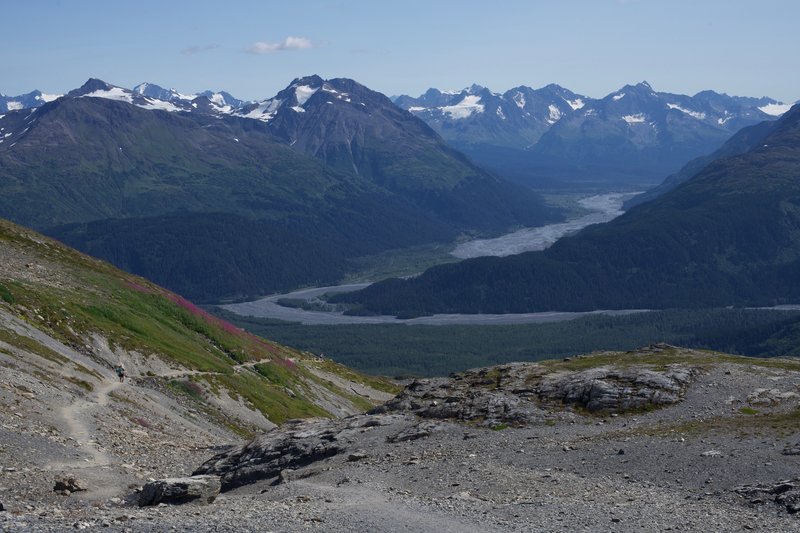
55,301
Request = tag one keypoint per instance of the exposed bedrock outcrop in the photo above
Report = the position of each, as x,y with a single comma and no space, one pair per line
522,393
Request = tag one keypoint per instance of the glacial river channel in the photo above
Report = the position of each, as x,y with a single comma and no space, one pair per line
601,207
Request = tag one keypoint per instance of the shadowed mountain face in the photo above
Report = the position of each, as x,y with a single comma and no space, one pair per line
553,137
728,236
323,162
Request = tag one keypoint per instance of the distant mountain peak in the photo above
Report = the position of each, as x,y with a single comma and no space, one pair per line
91,85
313,80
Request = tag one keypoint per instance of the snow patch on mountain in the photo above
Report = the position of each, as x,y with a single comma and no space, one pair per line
618,97
776,109
218,99
519,99
303,92
695,114
555,114
638,118
13,105
114,93
576,104
470,105
159,104
264,112
48,97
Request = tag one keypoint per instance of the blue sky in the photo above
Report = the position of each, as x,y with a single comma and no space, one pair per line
255,48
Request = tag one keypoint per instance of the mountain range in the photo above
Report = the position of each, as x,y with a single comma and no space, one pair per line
295,185
549,137
552,137
730,235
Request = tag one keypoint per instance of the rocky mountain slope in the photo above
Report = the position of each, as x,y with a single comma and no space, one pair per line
728,236
334,167
552,136
655,439
193,381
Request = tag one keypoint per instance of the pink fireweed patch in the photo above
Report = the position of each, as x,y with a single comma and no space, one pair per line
227,327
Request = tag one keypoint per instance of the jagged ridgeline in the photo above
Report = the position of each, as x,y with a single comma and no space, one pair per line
67,319
222,202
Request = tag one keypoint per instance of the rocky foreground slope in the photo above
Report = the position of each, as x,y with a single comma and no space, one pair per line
652,440
69,427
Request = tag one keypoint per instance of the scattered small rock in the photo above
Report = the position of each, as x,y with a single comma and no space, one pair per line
785,493
792,450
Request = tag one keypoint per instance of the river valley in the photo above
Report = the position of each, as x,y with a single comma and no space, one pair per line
601,208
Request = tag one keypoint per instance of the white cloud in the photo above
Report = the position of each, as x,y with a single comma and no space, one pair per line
290,43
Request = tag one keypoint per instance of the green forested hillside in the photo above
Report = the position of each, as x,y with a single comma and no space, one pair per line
142,188
728,236
398,349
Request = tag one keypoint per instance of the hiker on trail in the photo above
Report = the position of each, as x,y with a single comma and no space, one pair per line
120,370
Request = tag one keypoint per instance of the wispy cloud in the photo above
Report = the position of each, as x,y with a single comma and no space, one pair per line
198,49
290,43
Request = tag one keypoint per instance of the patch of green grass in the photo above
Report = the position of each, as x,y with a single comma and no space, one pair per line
375,382
748,411
499,427
6,295
359,401
271,397
661,359
189,388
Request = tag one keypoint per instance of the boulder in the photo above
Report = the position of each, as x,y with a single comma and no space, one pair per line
277,454
613,389
179,490
69,484
520,394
